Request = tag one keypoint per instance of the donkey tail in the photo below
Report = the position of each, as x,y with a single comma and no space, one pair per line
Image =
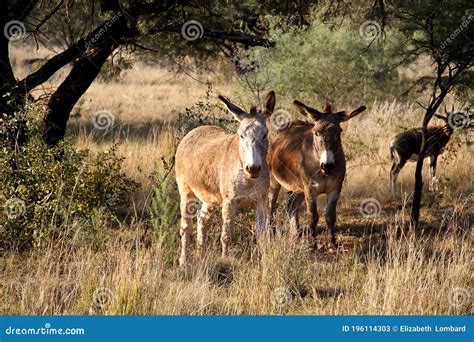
394,153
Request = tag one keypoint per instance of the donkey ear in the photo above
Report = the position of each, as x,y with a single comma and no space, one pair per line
345,115
238,112
441,117
327,107
269,105
309,112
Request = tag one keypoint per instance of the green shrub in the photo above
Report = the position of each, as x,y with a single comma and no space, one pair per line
164,212
321,63
49,193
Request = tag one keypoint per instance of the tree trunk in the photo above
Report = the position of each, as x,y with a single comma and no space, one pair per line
83,73
417,193
81,76
7,79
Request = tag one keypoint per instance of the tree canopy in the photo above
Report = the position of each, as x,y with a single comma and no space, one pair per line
86,33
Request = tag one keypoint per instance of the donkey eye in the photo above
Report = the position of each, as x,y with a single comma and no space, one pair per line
264,136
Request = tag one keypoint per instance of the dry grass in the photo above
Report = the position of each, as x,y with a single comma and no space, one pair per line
373,272
386,276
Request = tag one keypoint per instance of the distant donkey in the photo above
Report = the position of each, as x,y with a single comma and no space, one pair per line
307,159
224,170
406,147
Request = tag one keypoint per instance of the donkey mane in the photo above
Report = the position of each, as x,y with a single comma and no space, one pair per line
301,123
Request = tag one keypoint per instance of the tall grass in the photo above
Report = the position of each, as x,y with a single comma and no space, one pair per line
415,274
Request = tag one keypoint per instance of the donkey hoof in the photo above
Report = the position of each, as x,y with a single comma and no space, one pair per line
332,242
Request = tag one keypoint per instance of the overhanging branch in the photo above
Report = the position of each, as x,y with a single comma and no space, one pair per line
67,56
240,37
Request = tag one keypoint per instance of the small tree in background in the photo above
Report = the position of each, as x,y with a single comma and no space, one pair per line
321,63
442,30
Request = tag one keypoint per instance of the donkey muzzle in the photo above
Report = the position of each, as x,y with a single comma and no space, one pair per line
253,171
327,167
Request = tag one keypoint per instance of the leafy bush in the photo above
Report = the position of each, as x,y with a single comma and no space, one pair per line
321,63
52,192
164,212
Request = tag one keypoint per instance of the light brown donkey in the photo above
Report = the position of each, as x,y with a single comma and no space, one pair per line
308,160
224,170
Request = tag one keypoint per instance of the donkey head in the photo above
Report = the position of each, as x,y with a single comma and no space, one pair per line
447,127
326,132
253,132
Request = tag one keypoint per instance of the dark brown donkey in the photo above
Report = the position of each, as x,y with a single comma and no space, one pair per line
406,147
307,159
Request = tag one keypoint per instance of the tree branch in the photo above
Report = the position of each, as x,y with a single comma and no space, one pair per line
67,56
240,37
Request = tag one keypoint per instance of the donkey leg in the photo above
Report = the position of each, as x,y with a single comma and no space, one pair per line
263,219
228,213
332,199
294,202
392,179
273,198
202,229
394,172
433,161
312,208
186,224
